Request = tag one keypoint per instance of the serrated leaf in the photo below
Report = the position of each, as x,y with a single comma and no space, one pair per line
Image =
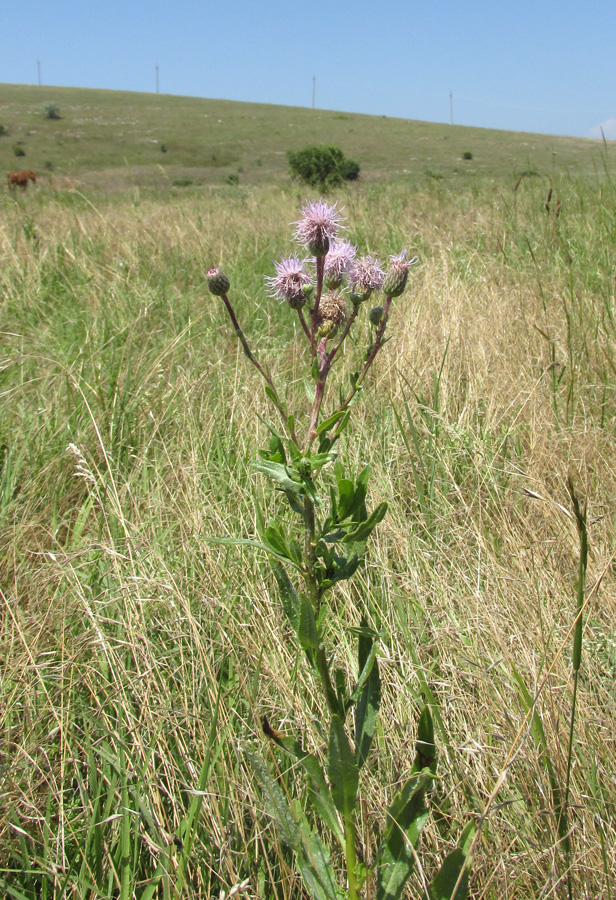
276,803
342,769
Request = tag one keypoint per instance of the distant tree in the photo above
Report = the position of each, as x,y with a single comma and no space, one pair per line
322,166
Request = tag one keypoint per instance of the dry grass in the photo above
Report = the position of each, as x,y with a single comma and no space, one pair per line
129,422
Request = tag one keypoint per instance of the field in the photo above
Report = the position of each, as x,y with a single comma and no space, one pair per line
138,657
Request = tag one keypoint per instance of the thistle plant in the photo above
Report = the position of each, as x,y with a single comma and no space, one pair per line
315,548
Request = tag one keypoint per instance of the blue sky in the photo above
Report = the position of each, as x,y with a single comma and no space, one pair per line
525,66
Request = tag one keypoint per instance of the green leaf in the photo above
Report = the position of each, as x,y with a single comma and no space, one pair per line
367,695
363,532
307,631
454,865
288,596
274,398
273,537
276,452
278,472
246,542
342,769
424,746
276,804
346,492
327,424
407,816
315,867
318,789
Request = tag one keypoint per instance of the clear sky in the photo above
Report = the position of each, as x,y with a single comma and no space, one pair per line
526,66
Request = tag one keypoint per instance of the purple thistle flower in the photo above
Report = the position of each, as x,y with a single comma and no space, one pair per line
338,260
318,226
365,276
367,273
289,282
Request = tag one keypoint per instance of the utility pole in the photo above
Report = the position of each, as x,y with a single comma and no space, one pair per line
451,107
313,88
156,67
38,68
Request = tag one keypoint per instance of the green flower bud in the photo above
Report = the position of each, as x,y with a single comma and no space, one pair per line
394,282
375,315
218,282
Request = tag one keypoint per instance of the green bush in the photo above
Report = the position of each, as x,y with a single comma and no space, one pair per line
323,166
18,151
3,130
51,110
182,182
467,155
232,178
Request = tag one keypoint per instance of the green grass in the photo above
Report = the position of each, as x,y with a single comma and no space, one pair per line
137,658
107,139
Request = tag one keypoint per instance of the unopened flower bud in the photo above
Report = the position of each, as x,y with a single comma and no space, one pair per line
375,315
218,282
395,280
332,280
359,294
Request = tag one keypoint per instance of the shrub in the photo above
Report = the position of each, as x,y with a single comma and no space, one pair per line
51,110
232,178
467,155
323,166
18,151
3,130
182,182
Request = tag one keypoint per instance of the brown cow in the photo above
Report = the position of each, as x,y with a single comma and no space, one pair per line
20,179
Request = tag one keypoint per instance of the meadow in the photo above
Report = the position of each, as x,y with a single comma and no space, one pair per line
138,657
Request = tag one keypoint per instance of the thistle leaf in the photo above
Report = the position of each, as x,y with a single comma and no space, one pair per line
342,769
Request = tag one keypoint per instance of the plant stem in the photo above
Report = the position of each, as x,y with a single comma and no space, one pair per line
241,337
376,346
314,595
350,856
315,312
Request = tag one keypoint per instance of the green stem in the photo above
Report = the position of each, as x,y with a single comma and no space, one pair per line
314,594
248,352
351,856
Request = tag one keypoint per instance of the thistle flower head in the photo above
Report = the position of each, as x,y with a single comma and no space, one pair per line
338,260
395,280
289,282
318,226
218,282
365,276
332,314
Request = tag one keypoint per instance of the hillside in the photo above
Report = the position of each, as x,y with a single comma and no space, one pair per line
111,139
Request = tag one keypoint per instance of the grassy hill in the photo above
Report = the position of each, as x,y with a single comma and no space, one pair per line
113,138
